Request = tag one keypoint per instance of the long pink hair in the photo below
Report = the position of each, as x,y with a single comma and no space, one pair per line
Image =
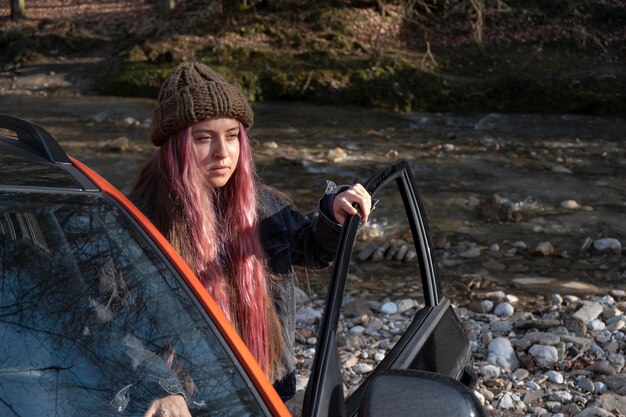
216,232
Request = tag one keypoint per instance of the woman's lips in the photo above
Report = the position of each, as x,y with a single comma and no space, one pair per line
219,170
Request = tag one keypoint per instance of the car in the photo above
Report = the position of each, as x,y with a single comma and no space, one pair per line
99,315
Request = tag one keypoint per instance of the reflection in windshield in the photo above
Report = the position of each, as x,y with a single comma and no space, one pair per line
93,323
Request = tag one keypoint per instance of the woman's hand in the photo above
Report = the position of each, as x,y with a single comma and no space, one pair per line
170,406
342,204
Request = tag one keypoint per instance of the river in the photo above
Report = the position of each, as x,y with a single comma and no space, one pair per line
488,181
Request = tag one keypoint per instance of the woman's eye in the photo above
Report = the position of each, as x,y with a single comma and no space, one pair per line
203,138
233,137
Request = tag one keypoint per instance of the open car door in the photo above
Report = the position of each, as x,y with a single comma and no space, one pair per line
429,368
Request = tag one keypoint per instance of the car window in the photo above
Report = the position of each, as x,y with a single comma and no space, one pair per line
93,322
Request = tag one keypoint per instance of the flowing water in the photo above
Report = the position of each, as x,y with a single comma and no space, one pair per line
485,179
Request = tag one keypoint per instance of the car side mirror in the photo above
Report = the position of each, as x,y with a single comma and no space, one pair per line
410,393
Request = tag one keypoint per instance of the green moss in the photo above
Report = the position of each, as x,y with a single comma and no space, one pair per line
134,79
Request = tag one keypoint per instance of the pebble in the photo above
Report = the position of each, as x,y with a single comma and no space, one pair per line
595,325
570,204
607,244
504,310
561,357
555,376
501,353
586,385
490,371
389,308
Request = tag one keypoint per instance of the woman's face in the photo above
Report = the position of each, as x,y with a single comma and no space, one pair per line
216,142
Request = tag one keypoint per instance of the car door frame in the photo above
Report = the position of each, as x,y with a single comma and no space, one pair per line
324,395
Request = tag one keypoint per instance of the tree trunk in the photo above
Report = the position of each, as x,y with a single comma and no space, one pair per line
167,6
18,9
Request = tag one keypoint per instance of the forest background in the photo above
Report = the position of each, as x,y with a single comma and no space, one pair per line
556,56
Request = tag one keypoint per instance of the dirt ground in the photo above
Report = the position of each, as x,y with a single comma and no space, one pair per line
62,46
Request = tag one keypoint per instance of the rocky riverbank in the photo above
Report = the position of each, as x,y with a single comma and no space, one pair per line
554,356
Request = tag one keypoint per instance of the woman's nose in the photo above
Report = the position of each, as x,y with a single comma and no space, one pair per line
219,149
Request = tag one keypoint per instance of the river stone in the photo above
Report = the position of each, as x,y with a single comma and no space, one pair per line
612,320
546,356
608,244
505,402
501,326
611,311
607,299
537,324
379,253
570,204
610,401
130,121
362,368
594,412
556,299
584,343
530,397
367,251
618,293
373,327
479,306
601,367
357,330
402,251
520,374
532,385
578,321
490,371
471,253
301,296
563,397
595,325
504,310
406,304
560,169
541,338
308,315
586,385
555,376
389,308
553,406
617,383
603,337
501,353
600,387
545,284
617,361
356,308
336,154
544,249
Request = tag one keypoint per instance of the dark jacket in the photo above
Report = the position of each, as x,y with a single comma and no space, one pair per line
289,238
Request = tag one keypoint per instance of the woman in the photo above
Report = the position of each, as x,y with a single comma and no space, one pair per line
241,237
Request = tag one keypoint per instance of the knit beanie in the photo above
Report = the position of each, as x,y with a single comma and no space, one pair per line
192,93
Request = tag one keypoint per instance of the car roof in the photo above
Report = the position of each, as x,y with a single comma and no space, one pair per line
32,158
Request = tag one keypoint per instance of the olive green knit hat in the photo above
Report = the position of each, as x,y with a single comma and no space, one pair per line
192,93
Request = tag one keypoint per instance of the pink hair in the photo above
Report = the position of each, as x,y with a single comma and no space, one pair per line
226,254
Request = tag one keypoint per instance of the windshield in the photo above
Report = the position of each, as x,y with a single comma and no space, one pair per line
94,323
